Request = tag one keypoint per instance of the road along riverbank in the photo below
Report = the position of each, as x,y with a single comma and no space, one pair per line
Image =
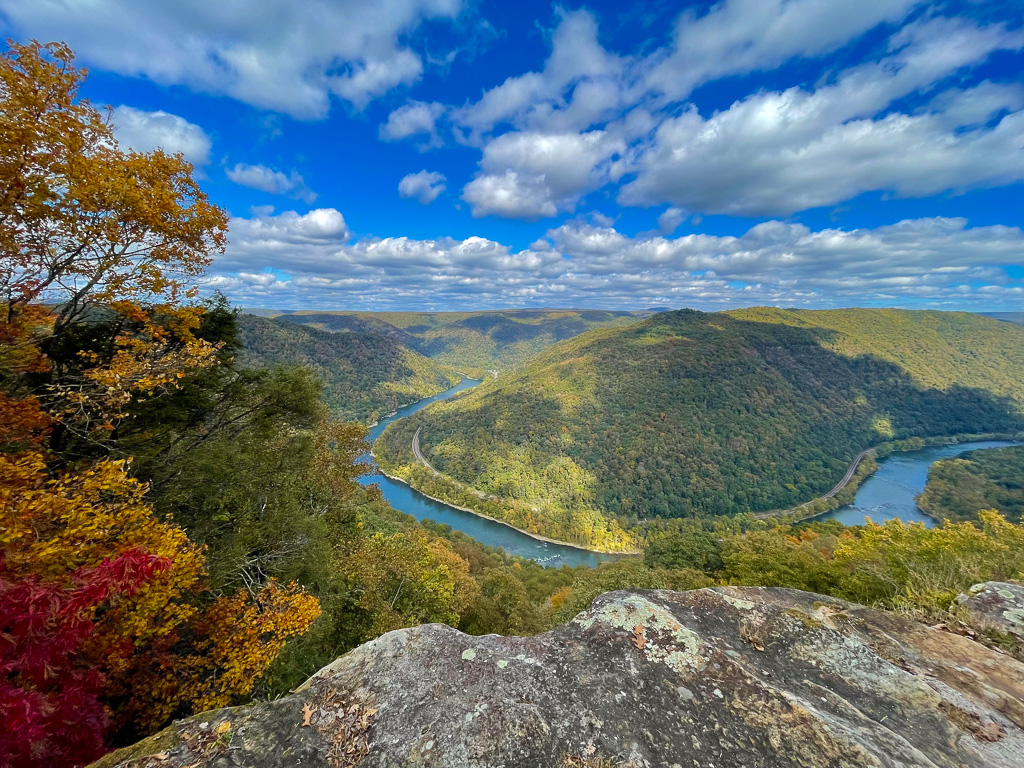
485,529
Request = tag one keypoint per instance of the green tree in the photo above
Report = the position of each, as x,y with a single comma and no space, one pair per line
694,549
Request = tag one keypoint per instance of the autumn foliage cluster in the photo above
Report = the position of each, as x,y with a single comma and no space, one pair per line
107,622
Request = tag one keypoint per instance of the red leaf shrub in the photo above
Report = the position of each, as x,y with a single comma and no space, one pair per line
49,701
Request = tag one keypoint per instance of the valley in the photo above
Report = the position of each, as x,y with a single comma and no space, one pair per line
694,415
989,477
488,531
473,341
889,493
893,491
364,375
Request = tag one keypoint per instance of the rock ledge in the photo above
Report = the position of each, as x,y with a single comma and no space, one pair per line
719,678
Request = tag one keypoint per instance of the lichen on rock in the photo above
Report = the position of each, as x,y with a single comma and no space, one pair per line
729,677
996,608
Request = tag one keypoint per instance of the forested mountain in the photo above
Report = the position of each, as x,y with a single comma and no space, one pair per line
365,374
374,362
694,414
991,478
481,340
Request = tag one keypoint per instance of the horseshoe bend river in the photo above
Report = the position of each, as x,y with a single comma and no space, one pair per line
887,494
489,532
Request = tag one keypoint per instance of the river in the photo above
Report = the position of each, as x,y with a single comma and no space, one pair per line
887,494
494,534
890,492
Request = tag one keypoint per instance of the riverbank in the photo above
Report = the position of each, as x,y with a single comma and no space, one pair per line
534,536
486,528
853,480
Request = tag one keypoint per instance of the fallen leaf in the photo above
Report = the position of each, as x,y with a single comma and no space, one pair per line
638,636
307,713
223,728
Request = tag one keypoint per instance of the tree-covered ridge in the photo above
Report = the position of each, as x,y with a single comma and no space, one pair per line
937,349
480,340
364,374
990,478
690,414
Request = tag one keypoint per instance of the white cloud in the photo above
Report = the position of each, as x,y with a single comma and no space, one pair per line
146,131
425,186
417,118
269,241
740,36
924,262
268,180
670,219
536,99
781,152
279,55
772,153
531,175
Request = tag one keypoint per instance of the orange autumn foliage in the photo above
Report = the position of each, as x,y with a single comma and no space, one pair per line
81,220
148,361
23,424
88,230
158,648
236,639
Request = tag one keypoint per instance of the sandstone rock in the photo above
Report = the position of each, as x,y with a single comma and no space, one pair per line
718,678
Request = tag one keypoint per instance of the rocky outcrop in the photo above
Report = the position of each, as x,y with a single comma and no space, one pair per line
722,678
996,608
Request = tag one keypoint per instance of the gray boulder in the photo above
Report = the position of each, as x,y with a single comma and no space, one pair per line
996,607
717,678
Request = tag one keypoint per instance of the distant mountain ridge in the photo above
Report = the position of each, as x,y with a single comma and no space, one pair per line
1009,317
485,340
372,363
365,375
696,414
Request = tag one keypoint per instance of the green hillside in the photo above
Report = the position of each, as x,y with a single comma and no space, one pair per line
482,340
992,478
365,374
690,414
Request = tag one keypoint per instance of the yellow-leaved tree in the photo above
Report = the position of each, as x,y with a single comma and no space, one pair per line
106,621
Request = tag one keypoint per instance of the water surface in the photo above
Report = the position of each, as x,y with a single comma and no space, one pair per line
887,494
890,492
412,502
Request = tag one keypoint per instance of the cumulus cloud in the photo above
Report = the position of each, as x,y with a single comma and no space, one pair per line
771,153
670,219
780,152
425,186
146,131
268,180
934,262
527,175
283,240
417,118
740,36
536,99
284,56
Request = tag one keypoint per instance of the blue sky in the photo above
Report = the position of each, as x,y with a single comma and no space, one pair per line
450,154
